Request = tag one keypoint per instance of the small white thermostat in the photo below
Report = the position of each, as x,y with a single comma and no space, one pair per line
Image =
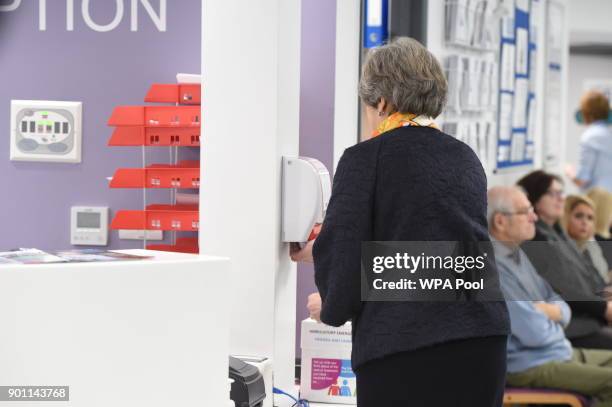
46,131
89,225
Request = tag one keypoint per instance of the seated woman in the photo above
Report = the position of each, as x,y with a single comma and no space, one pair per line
558,260
579,223
603,220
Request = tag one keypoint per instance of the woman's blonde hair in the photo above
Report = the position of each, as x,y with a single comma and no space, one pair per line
603,210
571,202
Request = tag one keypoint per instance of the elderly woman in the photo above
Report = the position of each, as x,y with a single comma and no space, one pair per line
557,259
579,222
595,167
409,182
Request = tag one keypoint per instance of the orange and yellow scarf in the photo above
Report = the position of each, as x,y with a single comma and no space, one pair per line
398,119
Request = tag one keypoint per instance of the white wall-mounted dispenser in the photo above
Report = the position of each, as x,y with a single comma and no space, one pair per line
306,191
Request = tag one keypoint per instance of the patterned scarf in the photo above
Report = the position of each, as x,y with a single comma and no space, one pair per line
398,119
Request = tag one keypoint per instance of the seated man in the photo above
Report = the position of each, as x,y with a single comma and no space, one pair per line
539,354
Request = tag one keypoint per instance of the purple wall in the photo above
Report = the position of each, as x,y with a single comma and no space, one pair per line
316,111
102,70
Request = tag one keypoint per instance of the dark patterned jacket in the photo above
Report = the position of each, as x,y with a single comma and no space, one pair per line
408,184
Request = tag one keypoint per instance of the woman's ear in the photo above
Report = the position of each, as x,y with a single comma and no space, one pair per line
382,107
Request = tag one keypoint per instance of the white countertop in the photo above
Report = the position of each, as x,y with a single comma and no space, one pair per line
156,257
124,333
159,255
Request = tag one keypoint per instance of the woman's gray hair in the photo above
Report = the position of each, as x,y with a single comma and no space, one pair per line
406,75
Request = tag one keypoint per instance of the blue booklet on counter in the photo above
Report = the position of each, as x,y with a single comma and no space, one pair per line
35,256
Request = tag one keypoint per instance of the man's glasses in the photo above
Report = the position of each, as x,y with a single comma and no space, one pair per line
525,211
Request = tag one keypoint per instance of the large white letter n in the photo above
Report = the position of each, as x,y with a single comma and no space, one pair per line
158,19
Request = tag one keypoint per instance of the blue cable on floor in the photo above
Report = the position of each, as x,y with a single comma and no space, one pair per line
298,402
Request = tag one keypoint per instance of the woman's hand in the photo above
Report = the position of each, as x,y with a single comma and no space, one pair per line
606,293
570,172
301,254
608,314
314,306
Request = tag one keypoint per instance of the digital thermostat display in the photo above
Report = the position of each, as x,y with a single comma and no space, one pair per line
88,220
89,225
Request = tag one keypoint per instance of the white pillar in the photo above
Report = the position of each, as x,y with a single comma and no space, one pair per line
346,102
250,119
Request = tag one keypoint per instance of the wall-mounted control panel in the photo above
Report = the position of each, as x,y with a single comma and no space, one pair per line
46,131
89,225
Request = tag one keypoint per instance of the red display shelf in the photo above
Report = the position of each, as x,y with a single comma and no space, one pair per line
183,218
155,126
156,116
183,245
185,94
150,137
185,175
162,126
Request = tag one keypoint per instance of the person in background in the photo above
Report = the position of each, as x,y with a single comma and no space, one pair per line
595,165
579,223
409,182
557,259
539,354
603,219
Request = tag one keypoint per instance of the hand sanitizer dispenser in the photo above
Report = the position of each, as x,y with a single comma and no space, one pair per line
306,190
